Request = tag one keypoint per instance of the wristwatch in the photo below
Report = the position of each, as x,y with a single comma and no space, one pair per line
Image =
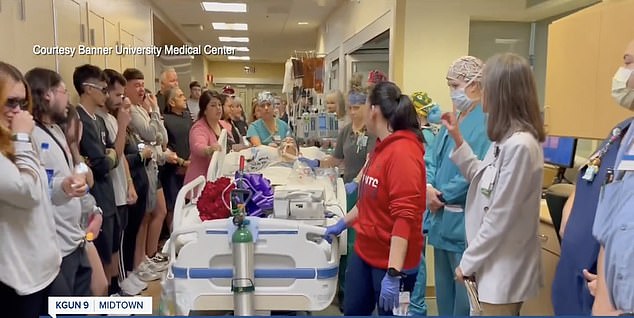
21,137
393,272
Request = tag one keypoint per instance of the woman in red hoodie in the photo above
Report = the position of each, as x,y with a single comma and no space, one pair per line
389,211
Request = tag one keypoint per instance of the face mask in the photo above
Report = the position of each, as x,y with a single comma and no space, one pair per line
434,115
460,99
622,94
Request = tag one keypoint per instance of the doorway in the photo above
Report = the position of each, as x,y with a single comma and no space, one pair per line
372,55
247,92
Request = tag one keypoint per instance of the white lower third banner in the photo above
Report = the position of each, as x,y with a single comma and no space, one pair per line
99,306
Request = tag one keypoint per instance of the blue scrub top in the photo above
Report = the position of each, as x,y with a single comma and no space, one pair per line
258,129
614,229
447,230
579,249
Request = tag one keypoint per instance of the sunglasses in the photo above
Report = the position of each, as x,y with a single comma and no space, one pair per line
103,90
14,103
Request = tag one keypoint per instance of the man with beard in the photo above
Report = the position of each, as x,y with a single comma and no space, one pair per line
50,98
124,190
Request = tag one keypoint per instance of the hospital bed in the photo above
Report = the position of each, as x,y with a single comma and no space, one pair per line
295,268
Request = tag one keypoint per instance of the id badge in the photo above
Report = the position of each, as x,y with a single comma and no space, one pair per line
488,180
403,304
277,138
362,141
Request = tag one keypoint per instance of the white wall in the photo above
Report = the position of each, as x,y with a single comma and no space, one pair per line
349,19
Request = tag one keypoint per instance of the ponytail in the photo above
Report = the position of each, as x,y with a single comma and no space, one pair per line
397,108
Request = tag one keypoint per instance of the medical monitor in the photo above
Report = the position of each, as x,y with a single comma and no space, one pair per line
560,151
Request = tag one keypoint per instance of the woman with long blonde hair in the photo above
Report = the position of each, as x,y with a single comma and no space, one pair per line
30,258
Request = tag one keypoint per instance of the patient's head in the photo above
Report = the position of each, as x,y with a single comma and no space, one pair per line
288,149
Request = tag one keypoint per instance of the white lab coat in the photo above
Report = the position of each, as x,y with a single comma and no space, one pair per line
503,249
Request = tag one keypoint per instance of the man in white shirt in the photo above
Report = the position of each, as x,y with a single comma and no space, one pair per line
195,90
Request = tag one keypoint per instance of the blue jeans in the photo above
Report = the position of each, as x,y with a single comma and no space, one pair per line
363,287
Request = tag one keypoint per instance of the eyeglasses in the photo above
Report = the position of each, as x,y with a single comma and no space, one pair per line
103,89
61,90
14,103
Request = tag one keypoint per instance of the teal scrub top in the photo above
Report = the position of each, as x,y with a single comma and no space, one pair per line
447,230
258,129
429,137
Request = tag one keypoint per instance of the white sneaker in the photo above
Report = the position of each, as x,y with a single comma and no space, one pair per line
161,261
157,263
132,285
146,272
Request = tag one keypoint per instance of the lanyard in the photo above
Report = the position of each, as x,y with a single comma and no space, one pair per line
595,161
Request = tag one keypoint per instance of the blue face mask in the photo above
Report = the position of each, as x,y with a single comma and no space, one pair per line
433,117
460,99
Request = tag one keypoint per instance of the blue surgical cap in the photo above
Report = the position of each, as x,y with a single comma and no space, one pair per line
356,98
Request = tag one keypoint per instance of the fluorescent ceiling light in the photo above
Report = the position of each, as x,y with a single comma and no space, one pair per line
224,7
230,26
302,23
239,48
233,39
241,58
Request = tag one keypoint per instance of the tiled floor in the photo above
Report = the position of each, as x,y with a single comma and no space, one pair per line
154,290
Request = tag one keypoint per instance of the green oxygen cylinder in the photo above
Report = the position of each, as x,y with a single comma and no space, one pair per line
242,286
243,247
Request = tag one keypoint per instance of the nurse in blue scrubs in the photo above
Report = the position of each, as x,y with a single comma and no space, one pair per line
579,249
428,113
447,189
604,189
268,130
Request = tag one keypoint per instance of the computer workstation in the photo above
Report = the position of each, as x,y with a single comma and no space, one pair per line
560,152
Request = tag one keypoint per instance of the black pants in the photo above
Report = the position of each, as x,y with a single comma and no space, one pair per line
136,212
74,276
28,306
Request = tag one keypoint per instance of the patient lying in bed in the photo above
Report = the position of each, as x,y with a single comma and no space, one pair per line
261,157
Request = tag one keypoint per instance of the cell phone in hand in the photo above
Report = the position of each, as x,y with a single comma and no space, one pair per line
441,198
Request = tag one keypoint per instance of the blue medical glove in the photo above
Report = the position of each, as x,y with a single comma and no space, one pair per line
335,230
313,163
351,187
390,287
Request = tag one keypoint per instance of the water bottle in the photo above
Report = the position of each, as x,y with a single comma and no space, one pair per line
44,155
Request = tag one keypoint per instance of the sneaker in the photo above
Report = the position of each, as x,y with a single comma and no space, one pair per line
132,285
160,258
157,263
147,273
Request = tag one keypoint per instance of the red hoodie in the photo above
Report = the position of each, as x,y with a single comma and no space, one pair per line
392,200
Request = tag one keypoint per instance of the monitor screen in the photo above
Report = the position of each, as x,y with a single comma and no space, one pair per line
560,151
322,123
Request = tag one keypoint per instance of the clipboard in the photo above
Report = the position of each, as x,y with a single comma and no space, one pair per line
472,293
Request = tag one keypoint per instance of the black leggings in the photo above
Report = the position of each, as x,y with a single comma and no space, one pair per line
27,306
136,212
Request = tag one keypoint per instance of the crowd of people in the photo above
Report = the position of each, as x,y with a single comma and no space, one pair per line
90,187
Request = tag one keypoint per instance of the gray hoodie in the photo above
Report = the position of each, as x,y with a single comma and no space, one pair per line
67,210
29,257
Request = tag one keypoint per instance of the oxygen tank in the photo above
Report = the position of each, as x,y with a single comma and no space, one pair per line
242,285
